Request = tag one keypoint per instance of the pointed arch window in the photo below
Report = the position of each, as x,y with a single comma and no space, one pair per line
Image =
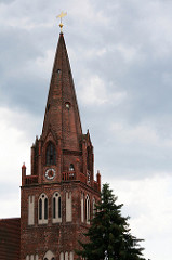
40,208
71,167
57,208
51,154
43,209
82,207
54,208
46,208
87,209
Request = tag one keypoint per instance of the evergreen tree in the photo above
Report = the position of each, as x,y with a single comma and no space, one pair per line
109,234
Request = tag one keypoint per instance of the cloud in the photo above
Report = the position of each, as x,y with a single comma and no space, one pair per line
134,150
6,1
17,133
147,203
139,133
94,92
121,58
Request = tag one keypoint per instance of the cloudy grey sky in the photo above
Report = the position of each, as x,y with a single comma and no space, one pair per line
120,53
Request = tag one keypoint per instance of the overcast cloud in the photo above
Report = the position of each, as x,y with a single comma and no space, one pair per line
120,53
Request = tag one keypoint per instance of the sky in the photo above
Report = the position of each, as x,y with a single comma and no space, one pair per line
120,53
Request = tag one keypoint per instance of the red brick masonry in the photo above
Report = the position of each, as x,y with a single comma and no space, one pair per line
10,239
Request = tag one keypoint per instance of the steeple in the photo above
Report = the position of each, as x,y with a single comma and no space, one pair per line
58,196
62,148
61,113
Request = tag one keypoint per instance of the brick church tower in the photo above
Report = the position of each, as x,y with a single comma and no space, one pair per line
58,196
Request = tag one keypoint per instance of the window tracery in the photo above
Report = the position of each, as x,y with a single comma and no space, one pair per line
51,154
57,208
43,209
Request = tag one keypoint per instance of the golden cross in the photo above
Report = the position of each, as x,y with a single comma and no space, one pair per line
61,16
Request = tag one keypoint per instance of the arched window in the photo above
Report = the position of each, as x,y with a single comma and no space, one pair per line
62,256
46,208
71,167
87,209
43,209
57,208
66,255
51,154
49,255
40,208
71,255
82,207
54,207
88,213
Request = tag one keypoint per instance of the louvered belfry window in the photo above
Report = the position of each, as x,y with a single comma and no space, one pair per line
51,154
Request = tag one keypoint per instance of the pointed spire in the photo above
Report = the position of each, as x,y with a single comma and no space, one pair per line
62,109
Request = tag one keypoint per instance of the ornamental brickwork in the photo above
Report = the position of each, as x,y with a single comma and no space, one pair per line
58,196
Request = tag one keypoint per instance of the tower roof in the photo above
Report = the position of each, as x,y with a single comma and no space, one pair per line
62,114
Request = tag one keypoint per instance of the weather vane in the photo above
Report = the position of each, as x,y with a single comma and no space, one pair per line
61,16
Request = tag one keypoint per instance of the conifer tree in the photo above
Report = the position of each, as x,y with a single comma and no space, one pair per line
109,234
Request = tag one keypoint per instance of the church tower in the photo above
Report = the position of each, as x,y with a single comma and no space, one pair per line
58,196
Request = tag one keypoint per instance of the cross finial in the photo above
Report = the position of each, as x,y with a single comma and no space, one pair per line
61,16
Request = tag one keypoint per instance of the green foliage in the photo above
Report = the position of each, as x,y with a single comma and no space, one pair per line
109,234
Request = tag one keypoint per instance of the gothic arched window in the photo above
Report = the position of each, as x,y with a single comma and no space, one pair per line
71,167
43,209
57,208
40,208
54,207
46,208
51,154
87,209
82,207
